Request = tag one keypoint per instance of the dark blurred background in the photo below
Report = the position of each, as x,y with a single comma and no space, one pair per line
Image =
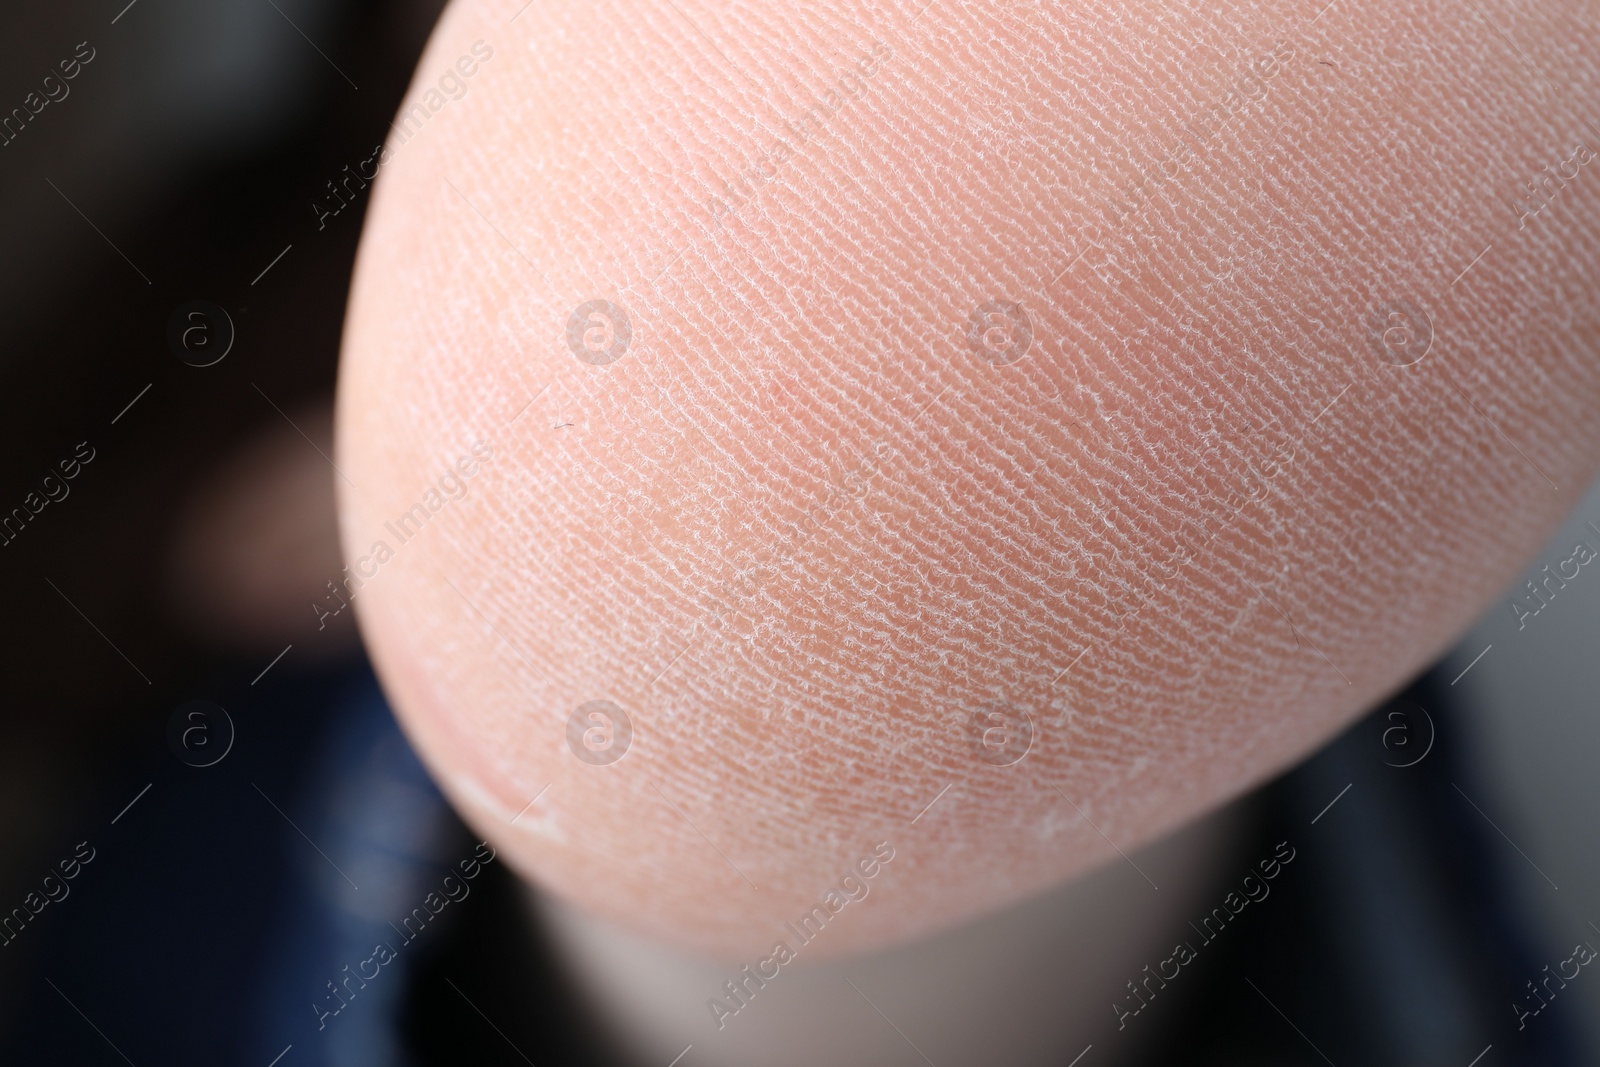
179,160
179,563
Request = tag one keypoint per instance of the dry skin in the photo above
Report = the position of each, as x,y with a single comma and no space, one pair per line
812,521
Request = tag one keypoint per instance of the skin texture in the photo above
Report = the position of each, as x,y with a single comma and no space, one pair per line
809,525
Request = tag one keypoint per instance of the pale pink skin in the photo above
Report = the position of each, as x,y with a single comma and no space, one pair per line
977,532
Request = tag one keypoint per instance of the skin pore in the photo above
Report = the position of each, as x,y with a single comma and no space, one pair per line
1184,377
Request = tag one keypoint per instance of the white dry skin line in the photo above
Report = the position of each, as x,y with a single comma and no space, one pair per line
545,825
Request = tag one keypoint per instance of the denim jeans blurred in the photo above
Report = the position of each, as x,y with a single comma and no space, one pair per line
232,912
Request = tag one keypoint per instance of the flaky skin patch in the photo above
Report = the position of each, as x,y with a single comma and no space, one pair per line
1182,377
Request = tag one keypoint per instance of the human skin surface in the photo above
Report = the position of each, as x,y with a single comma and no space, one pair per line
1183,376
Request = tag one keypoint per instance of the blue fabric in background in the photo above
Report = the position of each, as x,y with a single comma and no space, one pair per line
324,986
217,908
227,901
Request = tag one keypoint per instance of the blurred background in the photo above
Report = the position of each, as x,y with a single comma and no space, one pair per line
197,763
